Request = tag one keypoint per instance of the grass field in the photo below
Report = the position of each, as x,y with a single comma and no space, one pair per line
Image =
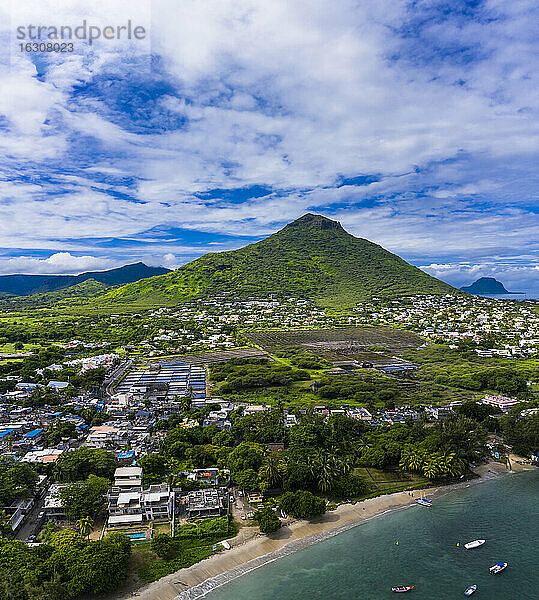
10,348
390,481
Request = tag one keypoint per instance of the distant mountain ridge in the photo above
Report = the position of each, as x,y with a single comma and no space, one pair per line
81,291
487,285
23,285
312,258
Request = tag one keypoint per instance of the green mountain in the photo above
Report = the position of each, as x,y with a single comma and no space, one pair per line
88,288
312,257
22,285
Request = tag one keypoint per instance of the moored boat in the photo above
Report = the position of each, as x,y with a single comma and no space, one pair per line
498,567
402,588
469,591
423,502
474,544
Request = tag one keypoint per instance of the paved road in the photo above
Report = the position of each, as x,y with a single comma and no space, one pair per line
31,522
116,375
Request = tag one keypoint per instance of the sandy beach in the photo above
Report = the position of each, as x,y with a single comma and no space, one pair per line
250,549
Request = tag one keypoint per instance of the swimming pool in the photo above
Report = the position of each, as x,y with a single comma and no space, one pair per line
137,536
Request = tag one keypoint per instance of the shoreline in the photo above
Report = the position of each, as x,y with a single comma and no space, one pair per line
251,550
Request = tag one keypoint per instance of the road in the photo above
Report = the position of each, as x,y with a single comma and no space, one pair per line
31,522
116,375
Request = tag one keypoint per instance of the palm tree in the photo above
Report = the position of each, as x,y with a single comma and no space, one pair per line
85,526
431,468
417,459
325,468
453,465
412,459
273,468
404,462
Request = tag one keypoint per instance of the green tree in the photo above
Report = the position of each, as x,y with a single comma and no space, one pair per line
302,504
163,545
247,480
267,520
17,480
246,455
85,526
273,468
78,464
84,499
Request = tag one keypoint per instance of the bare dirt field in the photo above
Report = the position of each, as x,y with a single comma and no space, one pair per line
338,340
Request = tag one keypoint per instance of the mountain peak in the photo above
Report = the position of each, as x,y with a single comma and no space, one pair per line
487,285
312,258
312,221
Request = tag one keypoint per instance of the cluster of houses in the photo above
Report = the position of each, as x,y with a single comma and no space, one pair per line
450,319
130,504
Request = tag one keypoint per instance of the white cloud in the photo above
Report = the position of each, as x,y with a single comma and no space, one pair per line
285,94
58,263
516,278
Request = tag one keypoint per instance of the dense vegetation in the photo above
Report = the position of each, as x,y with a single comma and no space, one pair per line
320,456
190,544
65,566
365,388
302,504
79,464
85,499
243,373
303,359
267,520
522,431
17,480
461,369
313,258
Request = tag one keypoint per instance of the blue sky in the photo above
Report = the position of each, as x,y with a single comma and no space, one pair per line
412,123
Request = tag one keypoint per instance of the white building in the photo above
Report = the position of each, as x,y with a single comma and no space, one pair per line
128,478
133,506
502,402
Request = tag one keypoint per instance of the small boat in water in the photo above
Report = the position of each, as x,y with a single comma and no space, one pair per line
469,591
474,544
423,502
498,568
402,588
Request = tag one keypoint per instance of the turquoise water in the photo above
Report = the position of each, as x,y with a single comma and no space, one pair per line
136,536
364,562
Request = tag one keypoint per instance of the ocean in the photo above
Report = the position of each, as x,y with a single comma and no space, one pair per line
530,295
416,546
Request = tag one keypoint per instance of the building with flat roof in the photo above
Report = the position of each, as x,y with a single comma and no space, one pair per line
53,505
155,503
502,402
45,456
128,477
204,503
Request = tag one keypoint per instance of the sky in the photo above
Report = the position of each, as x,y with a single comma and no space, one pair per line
413,123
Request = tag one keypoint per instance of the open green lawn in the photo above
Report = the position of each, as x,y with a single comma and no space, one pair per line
9,348
390,481
190,551
294,395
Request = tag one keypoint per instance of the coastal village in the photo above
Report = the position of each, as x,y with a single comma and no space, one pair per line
155,423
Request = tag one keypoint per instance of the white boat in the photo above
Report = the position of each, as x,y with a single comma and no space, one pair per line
469,591
423,502
402,588
498,568
474,544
